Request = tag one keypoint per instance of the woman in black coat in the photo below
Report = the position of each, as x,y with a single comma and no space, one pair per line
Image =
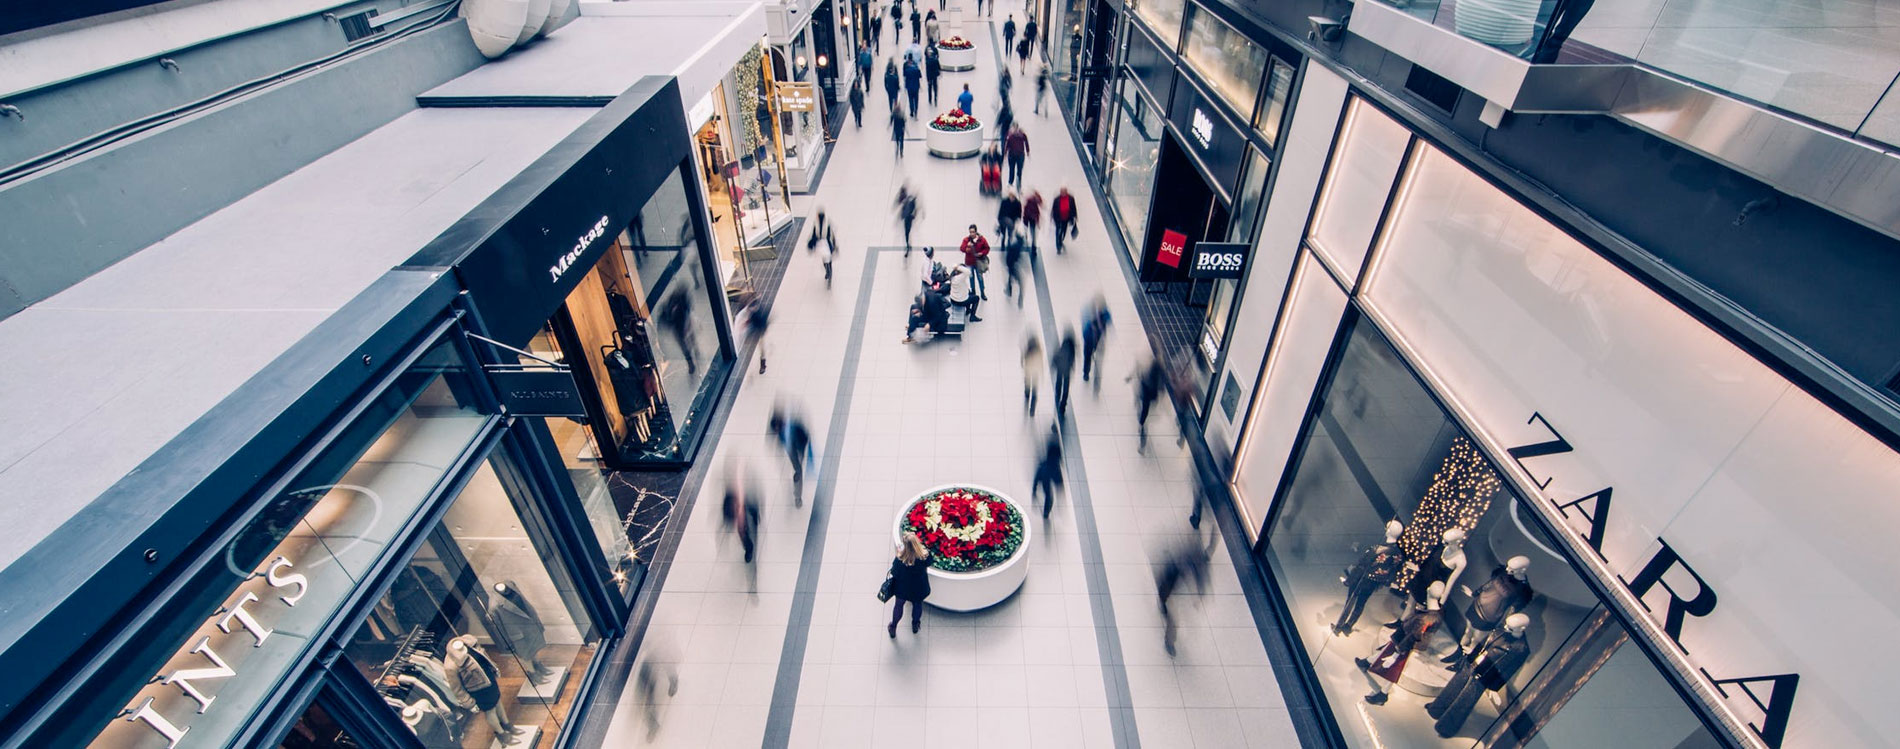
910,581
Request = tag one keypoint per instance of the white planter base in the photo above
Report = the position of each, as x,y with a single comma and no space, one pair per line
956,60
949,144
970,591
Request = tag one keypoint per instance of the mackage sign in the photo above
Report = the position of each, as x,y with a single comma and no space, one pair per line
566,261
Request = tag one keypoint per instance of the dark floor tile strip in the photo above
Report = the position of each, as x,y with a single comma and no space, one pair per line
618,664
1301,697
791,659
1108,641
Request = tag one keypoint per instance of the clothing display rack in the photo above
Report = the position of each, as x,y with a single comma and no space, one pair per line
399,663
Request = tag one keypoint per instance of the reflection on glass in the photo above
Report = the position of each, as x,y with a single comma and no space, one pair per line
1273,110
1163,16
303,555
1390,503
317,730
1131,166
644,326
481,636
1358,182
1225,58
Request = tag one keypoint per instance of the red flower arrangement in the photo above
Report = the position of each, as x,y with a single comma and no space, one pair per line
955,42
955,121
966,530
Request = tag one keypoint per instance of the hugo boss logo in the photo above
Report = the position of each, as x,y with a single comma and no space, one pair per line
586,240
1219,261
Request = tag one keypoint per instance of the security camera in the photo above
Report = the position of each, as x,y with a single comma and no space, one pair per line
1323,29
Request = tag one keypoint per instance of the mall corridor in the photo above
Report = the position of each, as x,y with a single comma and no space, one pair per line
794,652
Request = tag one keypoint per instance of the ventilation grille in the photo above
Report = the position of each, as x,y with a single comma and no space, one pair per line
1435,89
357,26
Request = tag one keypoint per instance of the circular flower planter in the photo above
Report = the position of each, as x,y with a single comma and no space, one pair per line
986,582
953,144
956,58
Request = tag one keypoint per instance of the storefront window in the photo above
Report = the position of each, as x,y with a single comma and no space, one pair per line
1131,166
1225,58
1273,110
481,637
1394,514
305,553
1357,186
644,327
318,730
1164,16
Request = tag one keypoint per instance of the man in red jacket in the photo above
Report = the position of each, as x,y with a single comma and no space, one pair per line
1015,151
1062,214
976,254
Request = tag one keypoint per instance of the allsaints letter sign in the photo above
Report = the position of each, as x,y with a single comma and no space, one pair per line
240,624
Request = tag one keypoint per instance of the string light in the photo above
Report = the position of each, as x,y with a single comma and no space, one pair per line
1459,495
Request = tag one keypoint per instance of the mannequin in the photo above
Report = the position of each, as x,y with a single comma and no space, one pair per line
1444,566
1373,571
467,663
520,625
1507,592
1389,662
1490,669
429,725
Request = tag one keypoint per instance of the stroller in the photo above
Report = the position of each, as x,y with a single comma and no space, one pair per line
990,167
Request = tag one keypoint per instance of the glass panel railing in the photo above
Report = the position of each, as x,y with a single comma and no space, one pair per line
1832,62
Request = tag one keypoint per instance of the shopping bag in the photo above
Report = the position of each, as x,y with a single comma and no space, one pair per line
884,591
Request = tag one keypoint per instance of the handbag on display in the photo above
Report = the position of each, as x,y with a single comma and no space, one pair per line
884,591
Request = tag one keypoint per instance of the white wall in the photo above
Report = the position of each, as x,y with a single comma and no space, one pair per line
1302,159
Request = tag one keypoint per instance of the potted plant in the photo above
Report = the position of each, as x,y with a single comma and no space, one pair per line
956,53
978,541
954,135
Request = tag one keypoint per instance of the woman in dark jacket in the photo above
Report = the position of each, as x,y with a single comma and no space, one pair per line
910,581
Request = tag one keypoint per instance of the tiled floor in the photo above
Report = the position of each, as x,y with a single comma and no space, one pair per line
793,651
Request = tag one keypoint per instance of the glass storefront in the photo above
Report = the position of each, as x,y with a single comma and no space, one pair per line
1364,163
481,637
744,210
1273,110
1390,507
1132,162
644,326
1225,58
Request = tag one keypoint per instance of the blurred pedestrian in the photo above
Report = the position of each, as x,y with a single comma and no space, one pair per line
1048,472
913,83
897,129
788,430
1150,381
1013,284
1032,374
1016,151
933,69
909,582
1009,34
1029,33
675,318
741,513
1062,367
1095,323
1004,82
856,97
755,318
891,82
916,25
1005,119
932,31
965,100
1187,561
1023,46
1032,216
646,687
877,31
907,212
817,230
830,255
1008,213
1042,89
1062,214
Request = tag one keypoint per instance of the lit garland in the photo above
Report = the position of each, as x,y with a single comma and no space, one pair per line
1460,494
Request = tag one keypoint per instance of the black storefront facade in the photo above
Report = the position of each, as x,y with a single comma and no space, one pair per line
414,550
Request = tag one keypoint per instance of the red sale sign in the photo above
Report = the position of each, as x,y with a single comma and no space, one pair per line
1173,243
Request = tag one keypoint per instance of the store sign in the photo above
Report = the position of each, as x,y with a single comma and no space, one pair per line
1683,592
193,683
538,392
1173,244
796,97
1203,128
560,266
1218,260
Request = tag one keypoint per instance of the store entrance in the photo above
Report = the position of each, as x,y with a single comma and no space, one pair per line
1185,211
1095,70
742,210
